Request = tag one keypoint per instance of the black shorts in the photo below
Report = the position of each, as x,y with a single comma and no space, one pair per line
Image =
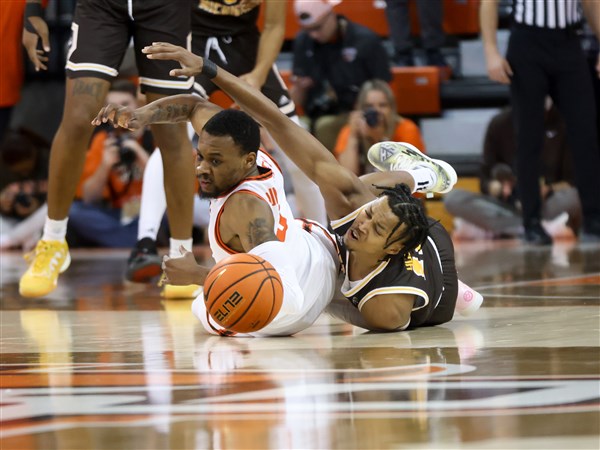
445,309
237,54
101,32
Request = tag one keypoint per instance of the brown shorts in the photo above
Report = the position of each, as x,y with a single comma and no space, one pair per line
102,30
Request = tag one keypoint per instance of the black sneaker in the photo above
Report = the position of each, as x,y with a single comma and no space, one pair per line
144,263
536,235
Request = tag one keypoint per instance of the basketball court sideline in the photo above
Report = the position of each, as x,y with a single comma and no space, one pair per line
102,363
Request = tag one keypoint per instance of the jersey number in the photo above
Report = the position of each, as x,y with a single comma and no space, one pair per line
282,226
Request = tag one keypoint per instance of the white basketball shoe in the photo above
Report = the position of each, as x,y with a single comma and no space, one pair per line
389,156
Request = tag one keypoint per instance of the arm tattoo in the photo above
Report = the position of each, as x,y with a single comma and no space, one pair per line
259,232
170,113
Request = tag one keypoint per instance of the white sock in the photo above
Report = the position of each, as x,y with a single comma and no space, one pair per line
175,244
154,200
55,230
424,178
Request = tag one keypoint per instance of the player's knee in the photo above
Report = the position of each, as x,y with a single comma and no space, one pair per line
390,321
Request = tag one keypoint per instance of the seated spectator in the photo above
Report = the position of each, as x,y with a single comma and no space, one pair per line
105,212
333,57
373,120
24,188
495,213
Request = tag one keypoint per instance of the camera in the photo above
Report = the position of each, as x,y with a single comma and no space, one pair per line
371,117
126,156
23,199
321,101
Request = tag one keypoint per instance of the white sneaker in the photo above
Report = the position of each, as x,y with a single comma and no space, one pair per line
389,156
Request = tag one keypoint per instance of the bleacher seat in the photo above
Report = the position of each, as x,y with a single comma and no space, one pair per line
417,90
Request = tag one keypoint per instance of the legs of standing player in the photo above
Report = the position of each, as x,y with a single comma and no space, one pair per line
84,96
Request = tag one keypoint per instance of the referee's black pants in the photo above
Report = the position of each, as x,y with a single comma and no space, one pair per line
551,62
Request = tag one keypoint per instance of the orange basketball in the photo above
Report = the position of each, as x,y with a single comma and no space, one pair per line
243,293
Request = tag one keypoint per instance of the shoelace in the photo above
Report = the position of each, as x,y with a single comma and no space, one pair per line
403,162
42,256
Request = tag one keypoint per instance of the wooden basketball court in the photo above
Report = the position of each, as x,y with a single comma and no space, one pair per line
102,364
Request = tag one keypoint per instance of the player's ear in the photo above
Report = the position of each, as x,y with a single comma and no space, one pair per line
250,159
394,248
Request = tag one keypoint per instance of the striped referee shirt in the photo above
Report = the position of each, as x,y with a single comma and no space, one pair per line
552,14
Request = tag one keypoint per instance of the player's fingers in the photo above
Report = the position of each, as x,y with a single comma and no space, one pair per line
181,73
41,29
159,54
107,113
98,119
43,33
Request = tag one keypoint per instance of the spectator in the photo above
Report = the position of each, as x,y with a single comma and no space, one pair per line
105,212
432,34
496,211
23,197
11,72
544,57
373,120
333,57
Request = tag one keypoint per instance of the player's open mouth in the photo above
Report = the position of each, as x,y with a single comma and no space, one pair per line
352,234
204,184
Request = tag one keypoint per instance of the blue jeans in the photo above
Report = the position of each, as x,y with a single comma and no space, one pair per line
99,226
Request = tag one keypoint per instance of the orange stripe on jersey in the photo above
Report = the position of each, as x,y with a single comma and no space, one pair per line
218,238
265,153
308,224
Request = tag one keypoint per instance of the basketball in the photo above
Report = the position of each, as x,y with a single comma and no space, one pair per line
243,293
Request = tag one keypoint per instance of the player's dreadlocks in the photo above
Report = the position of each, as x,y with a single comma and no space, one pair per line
410,211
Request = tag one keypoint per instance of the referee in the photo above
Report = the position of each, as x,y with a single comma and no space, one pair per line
545,57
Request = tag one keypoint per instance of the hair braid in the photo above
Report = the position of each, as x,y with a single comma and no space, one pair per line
410,211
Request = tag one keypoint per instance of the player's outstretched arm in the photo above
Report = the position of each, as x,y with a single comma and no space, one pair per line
176,108
341,189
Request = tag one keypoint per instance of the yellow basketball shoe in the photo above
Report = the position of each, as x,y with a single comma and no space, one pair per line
47,260
171,291
388,156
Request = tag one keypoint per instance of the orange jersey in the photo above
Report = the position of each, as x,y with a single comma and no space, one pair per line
11,29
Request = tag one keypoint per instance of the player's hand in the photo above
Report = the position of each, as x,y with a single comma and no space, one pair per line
498,68
184,270
190,64
30,42
118,116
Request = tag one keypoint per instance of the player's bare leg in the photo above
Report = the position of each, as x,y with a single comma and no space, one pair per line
84,96
179,174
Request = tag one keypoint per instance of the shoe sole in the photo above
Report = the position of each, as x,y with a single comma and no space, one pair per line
63,268
453,177
180,293
144,274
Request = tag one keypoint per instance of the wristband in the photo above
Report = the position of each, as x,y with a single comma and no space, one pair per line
209,69
32,10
